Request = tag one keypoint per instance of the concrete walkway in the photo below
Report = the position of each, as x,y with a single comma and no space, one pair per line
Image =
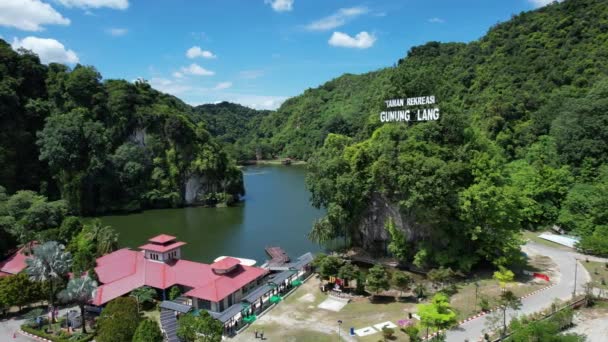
8,327
563,288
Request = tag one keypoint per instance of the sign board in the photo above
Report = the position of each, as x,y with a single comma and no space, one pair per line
422,108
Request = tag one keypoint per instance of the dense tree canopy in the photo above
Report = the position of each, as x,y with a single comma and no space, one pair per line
521,143
119,321
103,145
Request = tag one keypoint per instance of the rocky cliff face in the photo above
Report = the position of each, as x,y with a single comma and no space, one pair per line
138,136
194,189
371,233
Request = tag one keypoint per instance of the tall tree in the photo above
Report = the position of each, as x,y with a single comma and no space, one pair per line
142,295
49,263
402,281
508,300
398,244
79,291
148,331
118,321
202,328
438,314
377,280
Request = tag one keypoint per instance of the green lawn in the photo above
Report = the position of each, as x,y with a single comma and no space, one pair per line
598,272
464,300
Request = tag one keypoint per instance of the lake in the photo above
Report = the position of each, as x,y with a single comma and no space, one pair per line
275,212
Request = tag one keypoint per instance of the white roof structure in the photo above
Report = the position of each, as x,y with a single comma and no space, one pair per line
246,262
564,240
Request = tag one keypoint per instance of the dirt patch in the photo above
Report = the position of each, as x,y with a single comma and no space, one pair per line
593,323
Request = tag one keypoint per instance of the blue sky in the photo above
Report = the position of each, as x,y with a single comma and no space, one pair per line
254,52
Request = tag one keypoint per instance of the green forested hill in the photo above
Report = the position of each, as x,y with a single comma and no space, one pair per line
522,141
232,124
104,145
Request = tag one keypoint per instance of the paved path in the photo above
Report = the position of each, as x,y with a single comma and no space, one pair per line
8,327
565,260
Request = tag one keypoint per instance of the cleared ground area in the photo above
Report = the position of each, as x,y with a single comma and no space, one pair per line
299,317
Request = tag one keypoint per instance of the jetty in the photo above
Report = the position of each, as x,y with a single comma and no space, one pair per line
277,256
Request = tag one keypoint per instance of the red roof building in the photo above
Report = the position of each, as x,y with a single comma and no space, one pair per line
212,287
14,264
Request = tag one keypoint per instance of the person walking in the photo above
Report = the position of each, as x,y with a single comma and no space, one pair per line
262,335
256,333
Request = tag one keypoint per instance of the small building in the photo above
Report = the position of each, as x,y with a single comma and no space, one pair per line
230,289
159,264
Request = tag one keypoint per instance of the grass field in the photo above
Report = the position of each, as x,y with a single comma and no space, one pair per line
298,318
598,272
533,236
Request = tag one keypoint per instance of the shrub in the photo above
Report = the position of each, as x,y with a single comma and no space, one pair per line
388,332
77,337
148,331
484,304
412,331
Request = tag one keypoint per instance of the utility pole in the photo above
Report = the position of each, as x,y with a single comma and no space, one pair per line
476,292
575,274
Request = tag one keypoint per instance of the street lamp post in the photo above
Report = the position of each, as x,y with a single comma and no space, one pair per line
339,331
575,274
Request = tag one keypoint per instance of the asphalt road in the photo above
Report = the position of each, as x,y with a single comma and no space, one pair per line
9,328
565,261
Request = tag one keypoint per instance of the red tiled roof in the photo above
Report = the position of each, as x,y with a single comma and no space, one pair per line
125,270
225,264
162,238
2,274
223,285
160,248
15,263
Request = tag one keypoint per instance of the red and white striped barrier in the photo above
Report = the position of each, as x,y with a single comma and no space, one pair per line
483,313
33,336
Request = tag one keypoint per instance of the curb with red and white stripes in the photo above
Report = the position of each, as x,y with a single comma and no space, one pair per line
483,313
33,336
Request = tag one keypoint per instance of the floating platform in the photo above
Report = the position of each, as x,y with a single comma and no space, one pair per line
277,256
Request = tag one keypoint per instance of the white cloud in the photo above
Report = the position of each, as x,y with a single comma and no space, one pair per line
49,50
195,69
178,74
29,15
337,19
251,74
436,20
196,51
541,3
280,5
223,85
169,86
117,32
115,4
362,40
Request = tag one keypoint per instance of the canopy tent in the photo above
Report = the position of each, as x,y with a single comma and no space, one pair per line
250,319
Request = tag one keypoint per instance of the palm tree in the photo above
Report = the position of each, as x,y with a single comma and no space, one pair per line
106,238
48,263
79,291
142,295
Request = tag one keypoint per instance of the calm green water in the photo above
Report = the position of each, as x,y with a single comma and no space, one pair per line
276,211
